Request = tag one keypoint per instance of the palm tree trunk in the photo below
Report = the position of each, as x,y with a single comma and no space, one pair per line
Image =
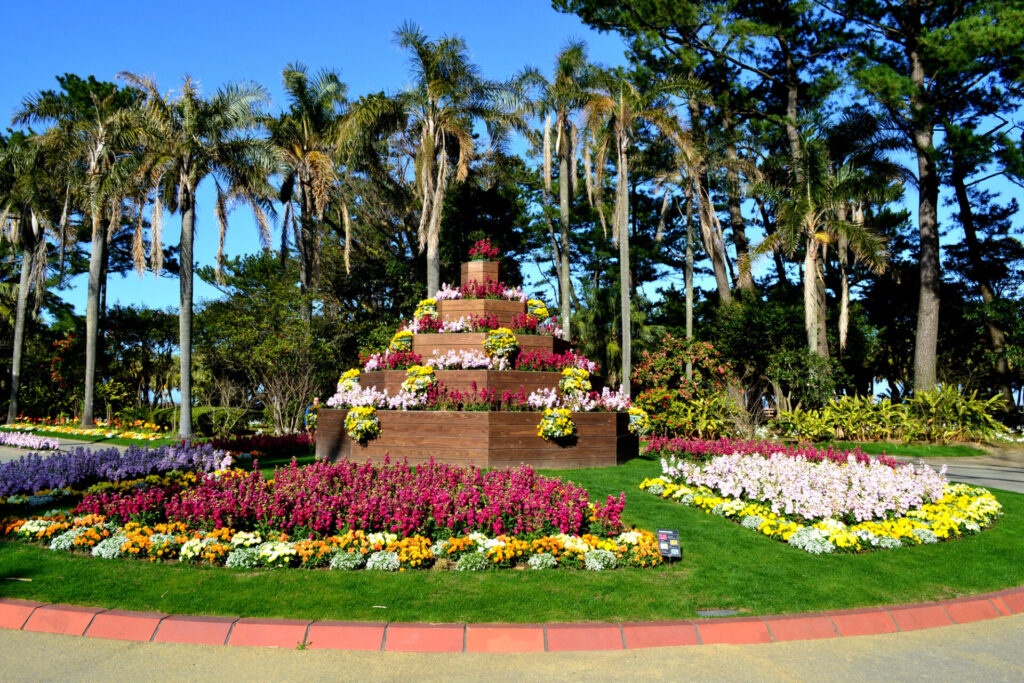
306,248
564,281
92,318
811,296
688,275
624,274
19,328
997,338
188,223
739,233
434,229
705,213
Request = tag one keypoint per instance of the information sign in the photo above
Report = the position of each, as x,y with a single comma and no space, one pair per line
668,544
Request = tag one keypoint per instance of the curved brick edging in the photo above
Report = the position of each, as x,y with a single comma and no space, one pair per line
93,622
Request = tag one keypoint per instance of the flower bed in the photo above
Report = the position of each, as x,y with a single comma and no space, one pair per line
823,506
137,429
347,516
81,467
26,440
355,549
704,449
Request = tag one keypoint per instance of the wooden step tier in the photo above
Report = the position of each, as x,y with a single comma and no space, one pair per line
480,271
483,439
453,309
463,380
427,344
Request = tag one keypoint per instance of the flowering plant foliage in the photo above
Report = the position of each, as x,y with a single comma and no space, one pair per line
556,425
350,550
402,341
349,380
957,510
639,422
855,491
321,499
460,360
418,379
390,360
544,360
82,467
681,406
425,307
23,440
537,308
704,449
362,424
501,343
525,323
575,382
483,250
447,293
607,400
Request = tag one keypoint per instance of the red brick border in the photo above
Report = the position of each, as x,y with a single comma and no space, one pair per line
94,622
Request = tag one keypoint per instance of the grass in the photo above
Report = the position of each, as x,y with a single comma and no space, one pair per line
724,566
912,450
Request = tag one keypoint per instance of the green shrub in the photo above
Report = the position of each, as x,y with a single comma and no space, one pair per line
698,406
943,414
947,414
802,379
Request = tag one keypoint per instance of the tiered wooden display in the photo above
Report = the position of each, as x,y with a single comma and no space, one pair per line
484,439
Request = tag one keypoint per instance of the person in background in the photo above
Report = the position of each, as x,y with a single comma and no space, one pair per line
309,419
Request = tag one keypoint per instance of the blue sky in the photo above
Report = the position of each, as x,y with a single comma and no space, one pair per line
218,41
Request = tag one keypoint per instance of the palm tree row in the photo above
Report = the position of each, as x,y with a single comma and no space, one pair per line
114,155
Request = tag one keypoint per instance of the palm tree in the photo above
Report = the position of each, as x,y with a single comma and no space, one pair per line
447,96
306,141
26,202
564,94
191,138
98,128
613,113
813,212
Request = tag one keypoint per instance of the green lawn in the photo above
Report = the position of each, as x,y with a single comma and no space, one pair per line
724,566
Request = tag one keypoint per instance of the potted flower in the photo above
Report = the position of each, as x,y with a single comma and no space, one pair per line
483,263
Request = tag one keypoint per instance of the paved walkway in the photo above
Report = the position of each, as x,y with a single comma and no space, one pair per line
1001,470
988,650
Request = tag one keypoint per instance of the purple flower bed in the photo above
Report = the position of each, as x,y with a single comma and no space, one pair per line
82,467
703,449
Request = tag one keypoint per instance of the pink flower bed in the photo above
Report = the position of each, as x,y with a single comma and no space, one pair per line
326,498
703,449
814,489
23,440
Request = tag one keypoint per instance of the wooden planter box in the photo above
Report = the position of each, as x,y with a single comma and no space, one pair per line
480,271
453,309
426,344
462,380
483,439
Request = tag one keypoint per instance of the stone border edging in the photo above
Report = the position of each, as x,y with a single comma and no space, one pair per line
28,615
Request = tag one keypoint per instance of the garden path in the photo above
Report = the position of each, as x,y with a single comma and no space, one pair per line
1003,469
986,650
